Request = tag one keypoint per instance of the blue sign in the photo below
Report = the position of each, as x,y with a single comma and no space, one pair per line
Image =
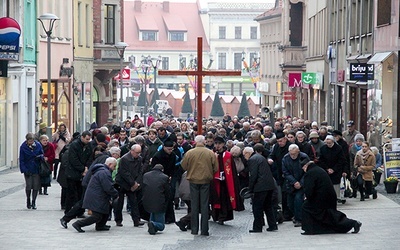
10,32
361,72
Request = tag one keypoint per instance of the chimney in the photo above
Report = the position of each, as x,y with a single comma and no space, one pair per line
166,6
138,5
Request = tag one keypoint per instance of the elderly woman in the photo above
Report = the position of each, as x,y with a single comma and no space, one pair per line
241,168
358,140
60,138
49,156
365,162
30,154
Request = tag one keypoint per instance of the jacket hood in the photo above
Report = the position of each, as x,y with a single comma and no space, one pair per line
98,167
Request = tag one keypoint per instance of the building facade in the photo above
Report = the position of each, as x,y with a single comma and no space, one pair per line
18,81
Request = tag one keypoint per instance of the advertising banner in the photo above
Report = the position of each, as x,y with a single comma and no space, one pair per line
10,32
392,163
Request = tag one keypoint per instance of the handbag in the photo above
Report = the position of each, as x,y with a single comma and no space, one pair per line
348,192
44,168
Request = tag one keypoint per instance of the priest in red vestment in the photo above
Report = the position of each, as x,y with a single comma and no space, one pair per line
223,192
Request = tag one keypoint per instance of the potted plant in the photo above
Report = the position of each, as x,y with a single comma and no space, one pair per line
391,184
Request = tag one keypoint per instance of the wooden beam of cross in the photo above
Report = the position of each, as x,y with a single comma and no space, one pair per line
199,73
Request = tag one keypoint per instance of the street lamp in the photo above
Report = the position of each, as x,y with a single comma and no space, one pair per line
144,64
155,65
120,46
52,19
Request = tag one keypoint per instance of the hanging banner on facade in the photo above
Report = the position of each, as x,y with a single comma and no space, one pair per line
10,32
361,72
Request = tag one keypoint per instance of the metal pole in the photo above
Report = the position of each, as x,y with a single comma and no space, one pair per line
49,118
83,107
145,98
121,56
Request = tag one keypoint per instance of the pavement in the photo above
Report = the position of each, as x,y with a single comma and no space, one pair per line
21,228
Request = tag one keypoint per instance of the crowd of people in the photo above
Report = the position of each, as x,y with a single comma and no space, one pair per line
292,170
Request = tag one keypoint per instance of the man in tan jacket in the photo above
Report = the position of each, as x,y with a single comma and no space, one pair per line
200,164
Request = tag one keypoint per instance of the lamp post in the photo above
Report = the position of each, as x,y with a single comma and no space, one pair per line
120,46
52,19
155,66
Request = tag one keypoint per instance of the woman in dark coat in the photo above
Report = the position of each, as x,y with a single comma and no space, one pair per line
49,156
319,208
30,154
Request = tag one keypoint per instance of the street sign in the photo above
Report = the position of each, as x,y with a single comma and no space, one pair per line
126,75
289,96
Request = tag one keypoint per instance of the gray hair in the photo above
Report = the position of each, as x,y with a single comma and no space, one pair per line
200,139
111,160
293,147
115,150
375,150
248,150
135,146
139,139
236,151
256,134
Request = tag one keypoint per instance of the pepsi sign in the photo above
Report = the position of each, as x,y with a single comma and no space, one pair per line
10,32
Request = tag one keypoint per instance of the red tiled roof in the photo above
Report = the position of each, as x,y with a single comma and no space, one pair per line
177,17
146,22
174,23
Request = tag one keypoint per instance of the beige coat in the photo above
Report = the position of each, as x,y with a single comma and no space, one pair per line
365,167
200,164
60,143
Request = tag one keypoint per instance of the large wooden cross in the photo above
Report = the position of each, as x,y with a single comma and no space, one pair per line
199,73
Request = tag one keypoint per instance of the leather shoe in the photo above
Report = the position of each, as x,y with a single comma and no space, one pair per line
138,223
297,224
255,231
77,228
306,233
357,226
34,205
205,234
63,223
181,226
221,222
271,229
104,228
151,229
118,224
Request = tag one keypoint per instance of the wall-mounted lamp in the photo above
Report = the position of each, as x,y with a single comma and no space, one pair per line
390,68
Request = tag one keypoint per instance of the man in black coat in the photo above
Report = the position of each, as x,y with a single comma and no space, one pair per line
319,208
156,195
261,183
78,156
291,168
129,179
332,160
167,158
98,195
279,150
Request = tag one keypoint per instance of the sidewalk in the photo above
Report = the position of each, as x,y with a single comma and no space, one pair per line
21,228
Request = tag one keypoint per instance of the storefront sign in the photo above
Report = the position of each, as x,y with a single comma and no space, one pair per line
289,96
10,32
295,80
392,163
361,72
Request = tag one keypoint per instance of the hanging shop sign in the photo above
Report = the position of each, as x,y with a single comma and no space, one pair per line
10,32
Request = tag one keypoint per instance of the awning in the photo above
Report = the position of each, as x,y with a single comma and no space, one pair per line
380,57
